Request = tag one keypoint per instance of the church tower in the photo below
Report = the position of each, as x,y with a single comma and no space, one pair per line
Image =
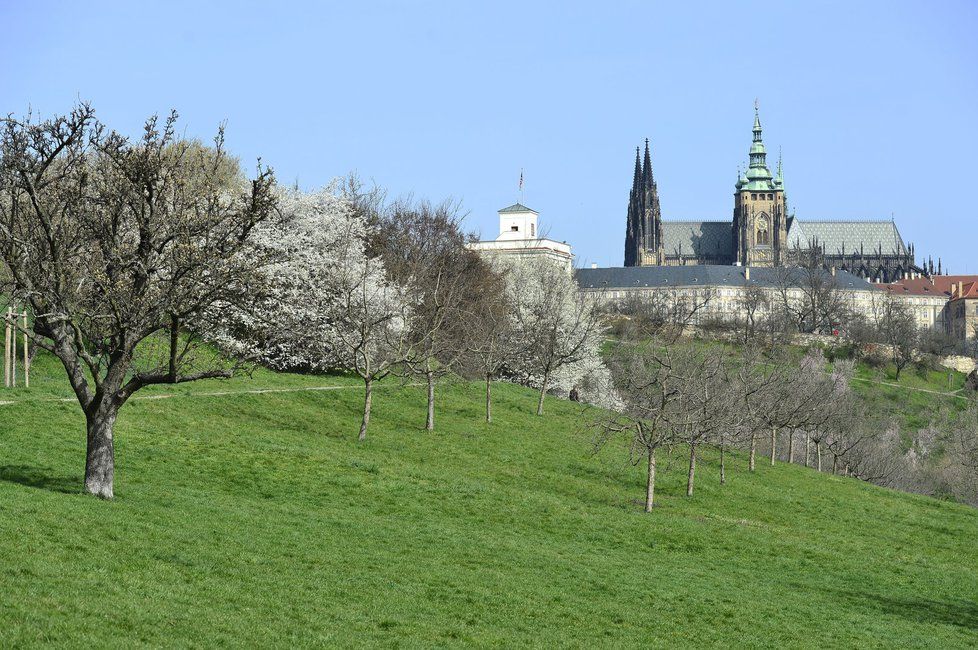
760,229
643,230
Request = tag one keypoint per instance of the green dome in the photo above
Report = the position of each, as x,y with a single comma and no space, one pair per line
758,173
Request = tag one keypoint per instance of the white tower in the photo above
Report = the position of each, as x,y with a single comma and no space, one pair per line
519,236
517,222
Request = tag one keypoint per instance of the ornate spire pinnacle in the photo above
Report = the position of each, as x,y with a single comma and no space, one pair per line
647,167
758,174
638,171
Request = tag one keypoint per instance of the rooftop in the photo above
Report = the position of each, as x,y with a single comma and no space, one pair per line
631,277
938,285
517,207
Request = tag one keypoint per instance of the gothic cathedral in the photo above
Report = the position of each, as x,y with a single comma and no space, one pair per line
763,232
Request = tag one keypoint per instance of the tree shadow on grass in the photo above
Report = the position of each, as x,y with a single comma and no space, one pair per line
957,612
38,477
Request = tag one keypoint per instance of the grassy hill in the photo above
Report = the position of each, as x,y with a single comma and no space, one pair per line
247,519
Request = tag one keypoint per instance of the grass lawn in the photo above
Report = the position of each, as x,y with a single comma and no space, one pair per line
257,519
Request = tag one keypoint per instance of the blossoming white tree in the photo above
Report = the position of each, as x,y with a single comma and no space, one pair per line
330,305
556,326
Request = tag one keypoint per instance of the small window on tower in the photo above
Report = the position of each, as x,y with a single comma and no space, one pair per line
753,196
770,197
533,230
515,228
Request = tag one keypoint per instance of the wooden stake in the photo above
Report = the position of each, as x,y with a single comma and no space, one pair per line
6,350
13,349
27,358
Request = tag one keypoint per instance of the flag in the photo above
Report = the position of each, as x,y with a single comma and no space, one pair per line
521,180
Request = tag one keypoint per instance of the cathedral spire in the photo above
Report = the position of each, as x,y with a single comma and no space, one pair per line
647,181
636,181
757,122
759,177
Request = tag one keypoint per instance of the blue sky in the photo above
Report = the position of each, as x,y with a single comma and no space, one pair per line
874,104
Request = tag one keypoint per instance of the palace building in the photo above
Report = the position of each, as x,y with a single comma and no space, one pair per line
763,231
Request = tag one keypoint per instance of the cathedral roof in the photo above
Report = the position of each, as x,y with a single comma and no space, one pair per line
836,236
640,277
697,238
517,207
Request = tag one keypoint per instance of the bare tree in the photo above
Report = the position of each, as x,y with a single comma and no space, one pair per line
704,400
487,320
896,328
764,402
794,398
649,394
810,298
124,251
754,307
663,313
424,251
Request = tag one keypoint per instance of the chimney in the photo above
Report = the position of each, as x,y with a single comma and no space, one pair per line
747,273
833,271
960,288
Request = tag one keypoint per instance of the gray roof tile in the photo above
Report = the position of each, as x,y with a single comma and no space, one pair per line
834,236
697,238
640,277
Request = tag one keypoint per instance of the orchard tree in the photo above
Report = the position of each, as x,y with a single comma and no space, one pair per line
423,249
124,252
555,324
648,393
488,323
896,328
330,304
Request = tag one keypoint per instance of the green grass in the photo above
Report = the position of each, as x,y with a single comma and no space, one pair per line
251,520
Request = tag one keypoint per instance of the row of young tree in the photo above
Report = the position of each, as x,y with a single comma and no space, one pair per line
158,261
870,441
676,393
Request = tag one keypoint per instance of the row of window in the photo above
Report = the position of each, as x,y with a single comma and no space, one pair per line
754,195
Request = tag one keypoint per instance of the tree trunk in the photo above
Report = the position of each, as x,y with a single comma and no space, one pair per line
847,470
818,455
723,465
543,392
692,470
429,423
774,444
835,464
100,453
488,397
753,449
367,395
650,483
791,447
808,450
